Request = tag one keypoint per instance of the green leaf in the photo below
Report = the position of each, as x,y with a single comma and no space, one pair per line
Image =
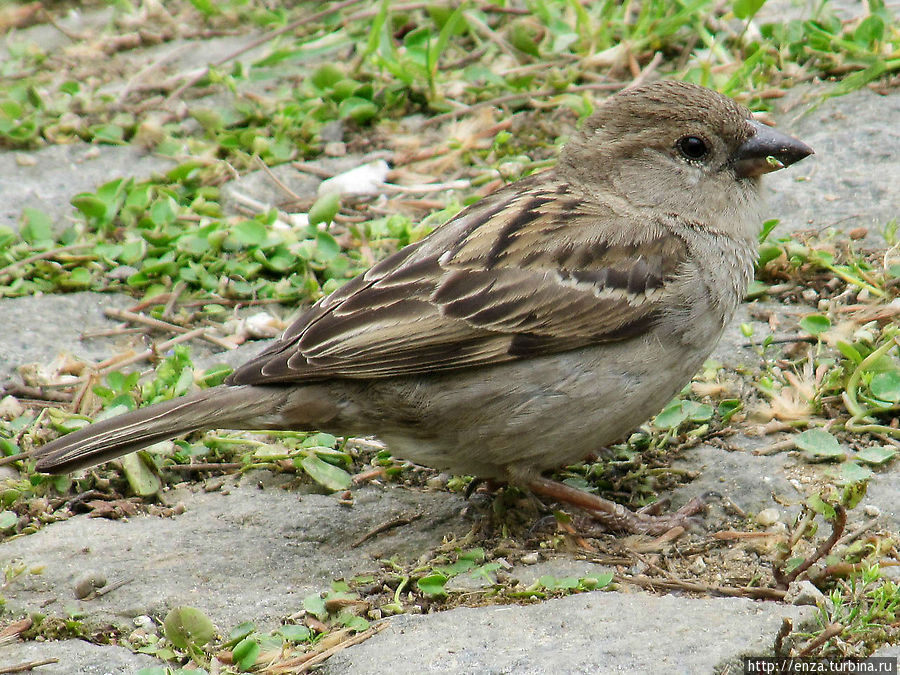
849,351
78,277
819,505
241,631
206,7
344,89
36,226
697,412
250,233
853,493
327,248
8,448
211,120
597,582
112,134
768,253
294,632
8,520
793,563
767,228
814,324
70,87
818,444
325,474
858,80
886,386
352,621
876,454
325,209
11,109
869,30
848,473
475,554
551,583
358,109
679,411
728,407
319,440
455,25
747,9
214,376
132,251
327,76
432,585
755,290
671,416
379,27
184,171
315,605
245,653
162,212
141,478
525,36
188,627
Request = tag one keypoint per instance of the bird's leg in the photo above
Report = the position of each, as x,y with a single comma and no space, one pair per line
472,486
615,516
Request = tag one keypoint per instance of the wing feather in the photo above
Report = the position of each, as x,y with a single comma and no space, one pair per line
530,270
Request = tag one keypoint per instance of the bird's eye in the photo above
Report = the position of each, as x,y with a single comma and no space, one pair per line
693,147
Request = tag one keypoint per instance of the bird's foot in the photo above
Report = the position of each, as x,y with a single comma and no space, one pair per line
647,520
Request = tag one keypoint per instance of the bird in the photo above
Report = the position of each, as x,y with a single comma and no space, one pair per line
541,323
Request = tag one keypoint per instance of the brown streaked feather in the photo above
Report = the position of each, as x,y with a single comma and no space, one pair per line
498,293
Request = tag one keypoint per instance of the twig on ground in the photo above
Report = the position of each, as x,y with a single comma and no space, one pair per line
365,476
275,179
648,70
107,589
732,534
307,661
384,527
206,466
775,448
41,256
831,630
837,529
126,315
40,393
169,307
28,666
118,362
753,592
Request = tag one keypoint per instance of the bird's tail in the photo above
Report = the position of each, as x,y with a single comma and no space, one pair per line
238,407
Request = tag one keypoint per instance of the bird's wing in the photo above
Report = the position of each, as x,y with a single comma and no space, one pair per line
533,269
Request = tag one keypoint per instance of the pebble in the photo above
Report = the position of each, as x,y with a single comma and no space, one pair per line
144,621
10,407
768,517
804,593
437,482
87,585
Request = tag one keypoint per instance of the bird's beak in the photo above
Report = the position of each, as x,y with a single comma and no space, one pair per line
767,150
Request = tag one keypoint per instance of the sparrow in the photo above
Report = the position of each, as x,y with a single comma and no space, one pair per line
545,321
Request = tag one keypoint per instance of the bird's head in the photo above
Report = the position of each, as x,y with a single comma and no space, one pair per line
678,147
